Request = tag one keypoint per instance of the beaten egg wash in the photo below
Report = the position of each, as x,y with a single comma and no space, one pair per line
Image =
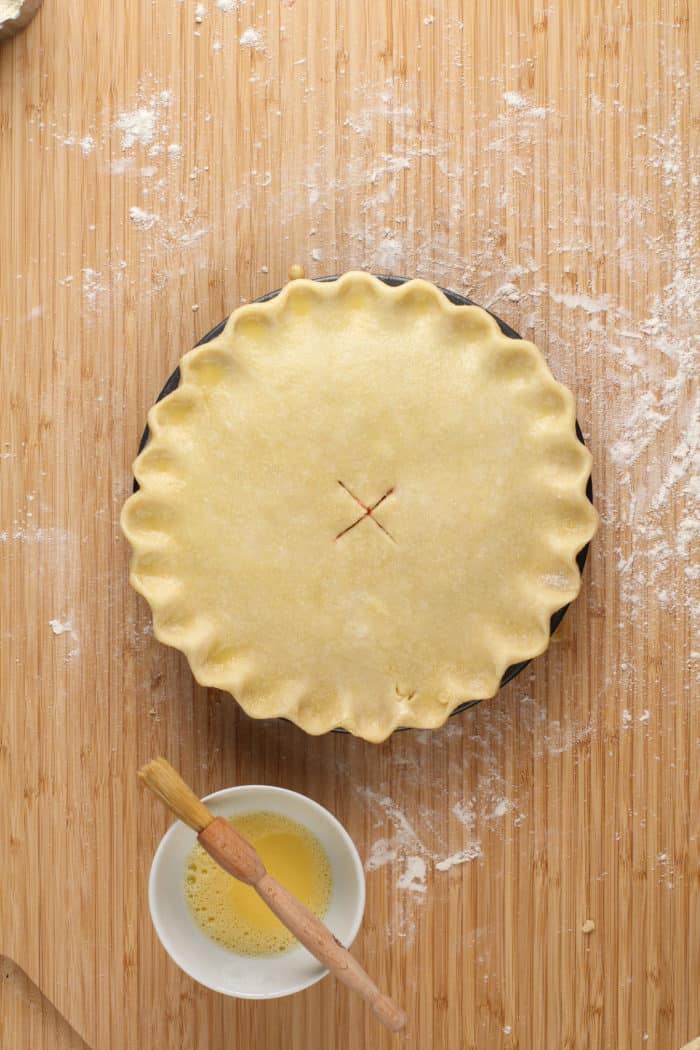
231,913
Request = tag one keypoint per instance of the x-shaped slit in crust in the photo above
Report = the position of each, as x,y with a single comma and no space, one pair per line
367,512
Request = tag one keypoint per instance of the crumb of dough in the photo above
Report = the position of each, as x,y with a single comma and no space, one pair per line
588,926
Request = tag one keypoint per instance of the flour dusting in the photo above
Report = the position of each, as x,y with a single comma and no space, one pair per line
251,38
87,145
147,124
492,808
138,127
514,100
581,301
471,852
142,219
168,216
404,841
413,876
94,287
60,627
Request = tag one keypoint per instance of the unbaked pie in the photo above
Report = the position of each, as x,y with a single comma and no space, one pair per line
360,506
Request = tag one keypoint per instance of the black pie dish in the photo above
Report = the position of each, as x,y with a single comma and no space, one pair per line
459,300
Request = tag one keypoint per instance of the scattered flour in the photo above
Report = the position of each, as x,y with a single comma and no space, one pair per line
582,302
405,851
516,101
142,219
464,812
502,806
168,217
251,38
138,127
93,287
413,876
87,145
401,843
471,852
493,801
121,165
228,5
54,539
491,808
61,628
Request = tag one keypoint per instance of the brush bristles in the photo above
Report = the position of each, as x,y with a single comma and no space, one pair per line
168,785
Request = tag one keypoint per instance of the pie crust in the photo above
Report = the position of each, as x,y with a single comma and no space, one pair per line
360,506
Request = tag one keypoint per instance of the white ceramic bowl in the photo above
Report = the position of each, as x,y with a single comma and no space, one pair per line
247,976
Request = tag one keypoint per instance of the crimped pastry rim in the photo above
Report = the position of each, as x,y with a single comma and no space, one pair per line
276,304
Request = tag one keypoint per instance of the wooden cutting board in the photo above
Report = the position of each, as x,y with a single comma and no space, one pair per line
155,172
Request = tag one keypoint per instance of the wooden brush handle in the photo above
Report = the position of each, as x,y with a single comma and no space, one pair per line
236,856
232,852
319,940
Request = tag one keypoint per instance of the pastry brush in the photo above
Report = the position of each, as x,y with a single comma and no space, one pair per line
239,858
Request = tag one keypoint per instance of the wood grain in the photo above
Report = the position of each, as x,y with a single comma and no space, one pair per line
539,157
27,1018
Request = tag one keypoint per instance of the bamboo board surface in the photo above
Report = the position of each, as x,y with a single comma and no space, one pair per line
155,172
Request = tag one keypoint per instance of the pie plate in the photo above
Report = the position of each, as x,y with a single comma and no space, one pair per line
499,413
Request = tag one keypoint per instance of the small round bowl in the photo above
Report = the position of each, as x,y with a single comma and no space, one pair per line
251,976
